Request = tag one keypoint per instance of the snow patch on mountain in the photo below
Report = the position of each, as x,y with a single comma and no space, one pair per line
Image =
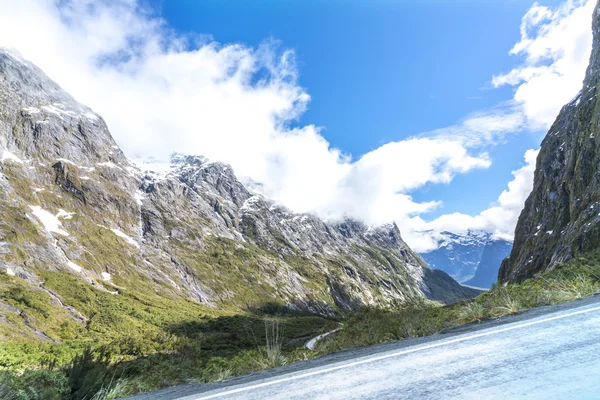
127,238
8,156
74,266
50,221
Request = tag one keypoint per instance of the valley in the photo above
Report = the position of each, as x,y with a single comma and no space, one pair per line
122,276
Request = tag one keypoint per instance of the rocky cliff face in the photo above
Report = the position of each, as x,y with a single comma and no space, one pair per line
561,218
73,204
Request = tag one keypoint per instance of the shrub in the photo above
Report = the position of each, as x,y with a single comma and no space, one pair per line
470,312
33,385
273,356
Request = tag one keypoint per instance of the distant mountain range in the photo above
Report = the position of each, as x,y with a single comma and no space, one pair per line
472,258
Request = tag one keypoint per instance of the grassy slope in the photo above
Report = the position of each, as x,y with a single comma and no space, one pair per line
147,339
143,356
158,342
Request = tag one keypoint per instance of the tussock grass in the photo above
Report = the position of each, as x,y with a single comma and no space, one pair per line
273,344
470,312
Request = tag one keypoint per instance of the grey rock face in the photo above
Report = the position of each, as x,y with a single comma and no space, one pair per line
561,218
72,202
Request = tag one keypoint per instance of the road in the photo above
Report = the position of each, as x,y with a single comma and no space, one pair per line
547,353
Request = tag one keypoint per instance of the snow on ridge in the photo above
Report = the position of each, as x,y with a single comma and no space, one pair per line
66,161
91,116
127,238
50,221
74,266
152,165
10,271
471,237
139,197
8,156
108,164
251,204
106,276
60,110
31,110
54,109
388,226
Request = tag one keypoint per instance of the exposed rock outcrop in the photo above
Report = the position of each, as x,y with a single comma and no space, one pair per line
561,218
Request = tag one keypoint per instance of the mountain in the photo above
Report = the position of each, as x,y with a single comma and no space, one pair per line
461,255
79,218
561,217
492,256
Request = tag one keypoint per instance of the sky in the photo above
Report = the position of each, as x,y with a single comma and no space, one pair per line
428,113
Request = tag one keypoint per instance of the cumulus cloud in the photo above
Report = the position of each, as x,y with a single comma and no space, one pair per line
500,219
556,46
161,92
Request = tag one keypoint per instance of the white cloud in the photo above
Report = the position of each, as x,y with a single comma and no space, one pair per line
556,44
162,92
486,127
500,219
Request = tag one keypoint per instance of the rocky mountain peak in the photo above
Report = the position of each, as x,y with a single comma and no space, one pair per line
47,123
31,83
388,233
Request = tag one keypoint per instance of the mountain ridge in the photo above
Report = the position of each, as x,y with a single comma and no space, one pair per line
76,207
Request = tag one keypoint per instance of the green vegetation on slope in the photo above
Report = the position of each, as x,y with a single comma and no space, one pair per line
577,279
133,341
142,343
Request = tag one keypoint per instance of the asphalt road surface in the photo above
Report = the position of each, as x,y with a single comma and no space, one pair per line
547,353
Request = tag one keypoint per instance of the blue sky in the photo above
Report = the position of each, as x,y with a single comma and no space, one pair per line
382,71
405,111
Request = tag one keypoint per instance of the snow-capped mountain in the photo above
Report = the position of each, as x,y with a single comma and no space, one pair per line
77,213
461,255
